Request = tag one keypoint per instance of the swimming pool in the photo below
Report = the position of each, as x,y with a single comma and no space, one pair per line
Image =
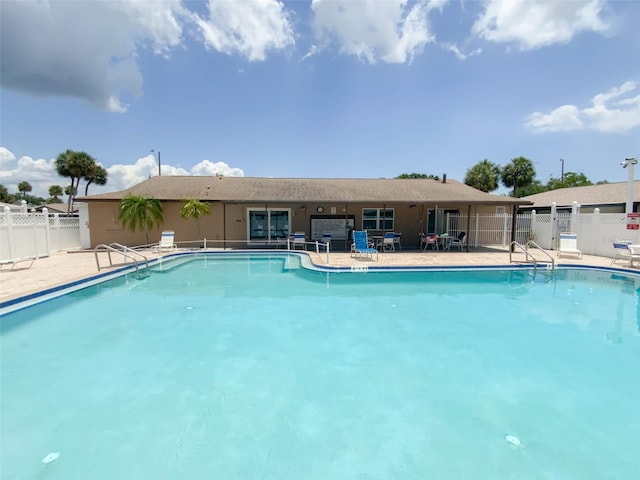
251,367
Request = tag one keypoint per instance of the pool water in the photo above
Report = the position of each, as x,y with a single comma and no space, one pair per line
238,368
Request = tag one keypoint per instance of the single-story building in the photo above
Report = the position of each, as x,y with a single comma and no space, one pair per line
248,211
608,197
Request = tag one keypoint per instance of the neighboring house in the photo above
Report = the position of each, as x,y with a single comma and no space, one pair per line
263,210
60,208
608,197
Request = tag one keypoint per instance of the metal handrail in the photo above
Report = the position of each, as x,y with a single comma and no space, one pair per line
535,245
526,252
122,250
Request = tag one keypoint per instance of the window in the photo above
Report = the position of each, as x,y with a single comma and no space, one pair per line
500,211
377,218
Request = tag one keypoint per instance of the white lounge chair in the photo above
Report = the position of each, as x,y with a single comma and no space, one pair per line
569,244
166,241
635,255
621,251
15,261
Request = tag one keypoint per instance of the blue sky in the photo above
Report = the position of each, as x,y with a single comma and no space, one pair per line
323,88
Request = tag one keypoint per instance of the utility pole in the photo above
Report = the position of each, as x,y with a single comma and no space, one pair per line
159,172
562,171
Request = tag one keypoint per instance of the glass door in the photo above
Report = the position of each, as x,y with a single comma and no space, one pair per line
267,225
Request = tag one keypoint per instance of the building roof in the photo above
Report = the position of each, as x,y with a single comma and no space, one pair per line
335,190
604,194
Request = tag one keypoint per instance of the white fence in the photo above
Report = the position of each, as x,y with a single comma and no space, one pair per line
30,234
596,231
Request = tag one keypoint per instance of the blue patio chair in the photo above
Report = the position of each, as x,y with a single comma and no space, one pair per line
361,245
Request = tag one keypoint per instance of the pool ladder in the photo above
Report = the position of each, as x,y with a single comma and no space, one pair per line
549,266
135,257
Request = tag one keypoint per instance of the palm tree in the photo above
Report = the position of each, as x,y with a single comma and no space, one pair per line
24,187
483,176
140,211
98,176
55,192
194,208
518,173
75,165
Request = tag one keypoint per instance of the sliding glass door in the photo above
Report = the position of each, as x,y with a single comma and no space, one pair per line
267,225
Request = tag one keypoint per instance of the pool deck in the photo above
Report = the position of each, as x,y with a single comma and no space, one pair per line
64,267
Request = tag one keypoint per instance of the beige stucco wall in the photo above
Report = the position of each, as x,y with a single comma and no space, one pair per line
229,221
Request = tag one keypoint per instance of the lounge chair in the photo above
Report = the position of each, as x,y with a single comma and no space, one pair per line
361,245
621,251
569,244
460,241
15,261
166,241
635,254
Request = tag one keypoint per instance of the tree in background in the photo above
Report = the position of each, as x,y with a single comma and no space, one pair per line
194,208
483,175
571,179
5,196
23,188
140,211
97,176
74,165
418,175
518,173
55,192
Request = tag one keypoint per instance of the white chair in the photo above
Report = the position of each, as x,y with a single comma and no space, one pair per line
569,244
389,242
621,251
396,240
460,241
299,240
166,241
427,241
635,254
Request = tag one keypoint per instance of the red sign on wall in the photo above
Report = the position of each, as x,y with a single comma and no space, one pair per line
633,221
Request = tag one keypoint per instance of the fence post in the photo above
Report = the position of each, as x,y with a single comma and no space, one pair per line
554,225
575,210
505,228
9,224
47,231
475,242
532,233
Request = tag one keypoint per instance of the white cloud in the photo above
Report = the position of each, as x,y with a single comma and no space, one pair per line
458,53
617,110
532,24
84,49
41,173
248,27
373,30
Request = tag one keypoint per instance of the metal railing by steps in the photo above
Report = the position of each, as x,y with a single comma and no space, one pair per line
135,257
529,258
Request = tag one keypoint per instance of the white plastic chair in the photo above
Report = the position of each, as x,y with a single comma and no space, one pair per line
299,240
569,244
460,241
389,242
166,241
